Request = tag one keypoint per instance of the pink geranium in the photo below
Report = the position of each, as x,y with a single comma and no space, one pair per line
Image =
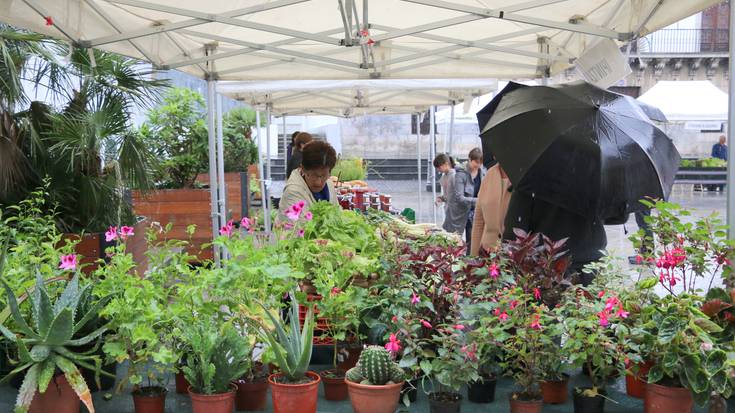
126,232
494,271
245,222
111,234
226,230
300,233
308,216
68,262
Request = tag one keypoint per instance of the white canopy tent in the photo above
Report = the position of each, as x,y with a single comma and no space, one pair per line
688,100
348,39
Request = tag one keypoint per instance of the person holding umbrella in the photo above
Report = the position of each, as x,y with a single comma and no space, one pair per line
491,208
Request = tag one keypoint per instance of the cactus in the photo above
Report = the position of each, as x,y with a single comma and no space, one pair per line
375,368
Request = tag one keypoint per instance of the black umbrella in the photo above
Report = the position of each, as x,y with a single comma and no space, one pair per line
588,150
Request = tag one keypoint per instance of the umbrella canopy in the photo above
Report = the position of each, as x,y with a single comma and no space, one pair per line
594,152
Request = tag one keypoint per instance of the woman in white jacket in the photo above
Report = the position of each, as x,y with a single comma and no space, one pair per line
310,182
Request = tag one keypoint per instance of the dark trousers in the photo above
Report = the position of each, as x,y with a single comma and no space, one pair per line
468,230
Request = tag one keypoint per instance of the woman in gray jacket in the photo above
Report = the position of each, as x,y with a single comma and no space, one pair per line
463,196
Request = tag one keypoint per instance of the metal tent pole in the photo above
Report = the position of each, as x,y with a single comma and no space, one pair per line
212,164
418,159
730,126
451,130
221,163
266,213
432,128
285,148
268,141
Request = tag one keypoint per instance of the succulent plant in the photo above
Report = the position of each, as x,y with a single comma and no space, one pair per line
292,349
376,368
49,343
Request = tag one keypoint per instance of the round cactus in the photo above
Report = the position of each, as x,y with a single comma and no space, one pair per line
397,374
376,365
355,374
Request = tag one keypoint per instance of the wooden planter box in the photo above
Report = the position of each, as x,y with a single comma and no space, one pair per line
184,207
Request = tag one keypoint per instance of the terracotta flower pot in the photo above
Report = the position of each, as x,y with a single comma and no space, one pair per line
374,399
445,403
150,400
294,398
182,385
213,403
251,395
555,392
58,398
664,399
352,358
635,386
335,389
525,406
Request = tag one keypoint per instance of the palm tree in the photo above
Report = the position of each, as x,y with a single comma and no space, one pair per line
85,144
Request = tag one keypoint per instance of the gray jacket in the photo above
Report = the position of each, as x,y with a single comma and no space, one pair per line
460,199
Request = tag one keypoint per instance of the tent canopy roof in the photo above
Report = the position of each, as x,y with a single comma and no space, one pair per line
355,97
688,100
349,39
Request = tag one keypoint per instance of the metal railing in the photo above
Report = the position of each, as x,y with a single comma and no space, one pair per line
683,41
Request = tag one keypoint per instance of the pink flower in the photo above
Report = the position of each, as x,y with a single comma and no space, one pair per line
289,225
621,312
245,222
300,233
494,271
415,299
470,352
604,322
393,345
226,230
537,293
503,316
459,327
125,232
394,319
611,303
513,304
111,234
293,213
497,311
308,216
425,323
638,259
601,294
68,262
535,322
336,290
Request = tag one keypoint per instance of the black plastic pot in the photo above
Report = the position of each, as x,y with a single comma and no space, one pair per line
445,403
410,387
482,391
584,404
106,382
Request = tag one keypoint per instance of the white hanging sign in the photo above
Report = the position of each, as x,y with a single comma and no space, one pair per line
603,65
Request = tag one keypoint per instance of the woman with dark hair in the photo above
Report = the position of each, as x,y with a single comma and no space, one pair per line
310,182
289,148
301,139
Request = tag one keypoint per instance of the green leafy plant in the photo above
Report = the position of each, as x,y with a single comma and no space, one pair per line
350,169
218,356
51,341
240,150
292,346
375,368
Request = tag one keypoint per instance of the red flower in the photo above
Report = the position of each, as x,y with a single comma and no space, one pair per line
415,299
621,312
497,311
537,293
393,345
604,322
494,271
536,322
49,20
470,352
601,294
459,327
513,304
503,316
336,290
425,323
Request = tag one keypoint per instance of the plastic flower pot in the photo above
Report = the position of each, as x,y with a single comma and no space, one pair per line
585,404
294,398
635,385
410,389
555,392
58,398
150,400
445,402
182,385
525,406
213,403
251,396
664,399
374,399
335,388
482,391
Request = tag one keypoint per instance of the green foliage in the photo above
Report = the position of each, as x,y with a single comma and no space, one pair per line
240,150
176,132
350,169
375,368
52,340
349,228
218,356
292,346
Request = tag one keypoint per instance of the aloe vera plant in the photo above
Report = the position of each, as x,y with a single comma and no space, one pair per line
292,348
49,342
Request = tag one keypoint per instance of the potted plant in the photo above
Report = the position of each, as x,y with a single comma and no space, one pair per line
218,357
375,383
591,318
293,388
50,345
555,380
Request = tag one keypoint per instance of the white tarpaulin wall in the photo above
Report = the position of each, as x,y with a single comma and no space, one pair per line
355,97
688,100
349,39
